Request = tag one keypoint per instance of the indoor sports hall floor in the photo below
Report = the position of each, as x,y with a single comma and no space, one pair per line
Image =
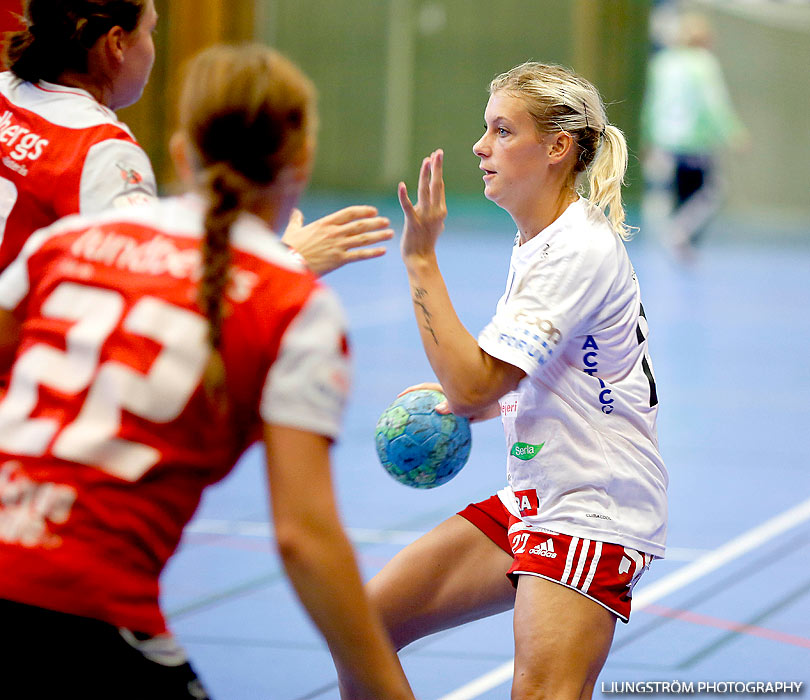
730,341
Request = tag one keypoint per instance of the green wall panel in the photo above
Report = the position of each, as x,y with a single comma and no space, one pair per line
398,78
342,46
453,69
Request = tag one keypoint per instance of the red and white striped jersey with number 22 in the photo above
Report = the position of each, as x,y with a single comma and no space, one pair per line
107,437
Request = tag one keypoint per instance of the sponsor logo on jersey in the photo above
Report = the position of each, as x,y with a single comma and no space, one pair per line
26,508
509,409
530,344
590,361
545,549
527,502
129,175
155,256
546,327
23,142
533,336
131,198
16,167
525,450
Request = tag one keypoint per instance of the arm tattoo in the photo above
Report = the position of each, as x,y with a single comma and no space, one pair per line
418,300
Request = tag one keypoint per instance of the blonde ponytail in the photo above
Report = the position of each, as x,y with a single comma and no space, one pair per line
606,177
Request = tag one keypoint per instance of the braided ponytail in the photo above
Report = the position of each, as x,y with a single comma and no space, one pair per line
223,189
247,112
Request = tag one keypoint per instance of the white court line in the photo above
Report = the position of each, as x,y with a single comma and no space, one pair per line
663,587
262,529
358,535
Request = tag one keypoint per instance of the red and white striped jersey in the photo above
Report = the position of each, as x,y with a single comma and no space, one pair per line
61,153
107,437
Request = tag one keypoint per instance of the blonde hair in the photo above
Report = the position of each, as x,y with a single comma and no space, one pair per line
248,112
560,100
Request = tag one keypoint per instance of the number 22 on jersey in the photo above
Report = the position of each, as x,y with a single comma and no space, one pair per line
159,395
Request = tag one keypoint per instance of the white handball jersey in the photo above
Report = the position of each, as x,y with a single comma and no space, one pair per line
61,153
580,428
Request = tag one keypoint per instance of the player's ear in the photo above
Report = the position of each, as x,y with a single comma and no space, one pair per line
182,157
559,146
106,55
112,44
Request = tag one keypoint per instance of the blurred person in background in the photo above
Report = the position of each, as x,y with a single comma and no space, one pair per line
64,151
687,120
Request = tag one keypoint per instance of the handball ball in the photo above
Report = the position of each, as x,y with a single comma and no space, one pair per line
419,447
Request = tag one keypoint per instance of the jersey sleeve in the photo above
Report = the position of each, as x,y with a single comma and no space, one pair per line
116,173
535,319
15,280
307,385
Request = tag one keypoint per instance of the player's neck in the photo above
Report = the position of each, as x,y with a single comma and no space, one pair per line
541,213
84,82
274,203
272,207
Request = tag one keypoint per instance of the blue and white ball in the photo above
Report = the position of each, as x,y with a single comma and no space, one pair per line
419,447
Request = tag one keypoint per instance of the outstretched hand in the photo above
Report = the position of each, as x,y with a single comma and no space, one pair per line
336,239
425,220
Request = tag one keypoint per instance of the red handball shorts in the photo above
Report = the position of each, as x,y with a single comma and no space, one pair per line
606,573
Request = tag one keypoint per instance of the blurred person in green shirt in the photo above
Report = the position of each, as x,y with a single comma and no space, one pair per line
687,120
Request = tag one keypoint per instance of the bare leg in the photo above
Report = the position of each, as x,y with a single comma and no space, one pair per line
562,640
451,575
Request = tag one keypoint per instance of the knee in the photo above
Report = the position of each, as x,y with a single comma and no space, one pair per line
551,687
389,612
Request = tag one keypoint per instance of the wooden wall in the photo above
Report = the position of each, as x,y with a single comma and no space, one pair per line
184,27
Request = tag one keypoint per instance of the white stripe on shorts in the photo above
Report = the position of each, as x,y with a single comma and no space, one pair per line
583,555
569,559
597,553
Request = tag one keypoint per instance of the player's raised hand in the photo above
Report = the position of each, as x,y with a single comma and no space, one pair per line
339,238
424,221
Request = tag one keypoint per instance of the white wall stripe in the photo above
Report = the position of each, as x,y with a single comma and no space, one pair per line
681,578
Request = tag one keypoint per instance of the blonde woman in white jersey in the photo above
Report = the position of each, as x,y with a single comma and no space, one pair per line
564,361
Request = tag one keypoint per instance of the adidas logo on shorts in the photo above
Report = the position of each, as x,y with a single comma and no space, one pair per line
544,549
